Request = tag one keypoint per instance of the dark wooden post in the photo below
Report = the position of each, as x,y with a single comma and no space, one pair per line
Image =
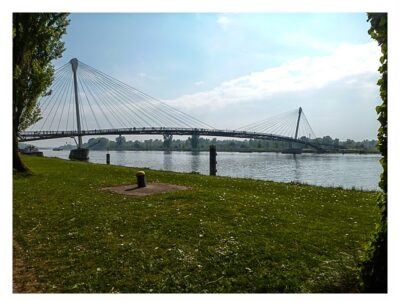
140,177
108,158
213,160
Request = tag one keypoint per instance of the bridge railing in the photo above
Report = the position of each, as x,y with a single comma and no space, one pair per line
36,135
151,130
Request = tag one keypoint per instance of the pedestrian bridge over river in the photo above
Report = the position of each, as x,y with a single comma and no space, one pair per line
84,101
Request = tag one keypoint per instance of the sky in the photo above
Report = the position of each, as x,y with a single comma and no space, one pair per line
230,70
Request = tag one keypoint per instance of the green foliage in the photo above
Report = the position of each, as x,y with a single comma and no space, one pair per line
120,140
251,145
221,235
374,267
36,42
194,141
167,141
100,143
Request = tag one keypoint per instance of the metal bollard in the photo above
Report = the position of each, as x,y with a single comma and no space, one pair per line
108,158
140,177
213,160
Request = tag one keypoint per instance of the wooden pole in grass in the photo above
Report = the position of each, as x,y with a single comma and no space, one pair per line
213,160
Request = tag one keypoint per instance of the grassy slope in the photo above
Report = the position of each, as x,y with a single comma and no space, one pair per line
222,235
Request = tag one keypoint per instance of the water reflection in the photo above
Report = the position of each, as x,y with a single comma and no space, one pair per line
297,172
167,162
195,161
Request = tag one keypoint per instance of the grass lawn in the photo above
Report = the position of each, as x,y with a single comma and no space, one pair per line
221,235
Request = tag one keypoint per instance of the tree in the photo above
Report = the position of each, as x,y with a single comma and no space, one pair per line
374,266
336,143
100,144
36,42
167,141
194,141
120,140
327,140
136,144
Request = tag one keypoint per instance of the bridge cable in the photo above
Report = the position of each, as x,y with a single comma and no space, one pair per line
87,100
109,104
122,93
65,97
44,102
103,85
70,92
183,115
56,95
101,109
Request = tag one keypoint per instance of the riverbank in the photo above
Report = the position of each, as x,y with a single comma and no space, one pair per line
220,235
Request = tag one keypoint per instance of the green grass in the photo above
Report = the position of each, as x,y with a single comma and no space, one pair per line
221,235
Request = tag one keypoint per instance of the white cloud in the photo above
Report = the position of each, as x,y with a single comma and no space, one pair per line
306,73
223,21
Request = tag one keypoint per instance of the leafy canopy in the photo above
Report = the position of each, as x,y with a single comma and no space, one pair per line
374,267
36,42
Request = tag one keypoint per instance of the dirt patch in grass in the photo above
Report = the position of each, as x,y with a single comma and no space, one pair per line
152,188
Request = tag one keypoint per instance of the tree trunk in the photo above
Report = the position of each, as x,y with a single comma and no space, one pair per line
18,164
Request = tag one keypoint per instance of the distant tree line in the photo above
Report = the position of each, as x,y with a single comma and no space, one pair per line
202,144
366,145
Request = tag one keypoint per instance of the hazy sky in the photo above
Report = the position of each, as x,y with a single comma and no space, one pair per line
230,70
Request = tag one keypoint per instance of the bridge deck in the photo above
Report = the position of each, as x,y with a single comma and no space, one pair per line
41,135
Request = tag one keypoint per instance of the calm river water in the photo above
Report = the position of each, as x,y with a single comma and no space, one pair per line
349,170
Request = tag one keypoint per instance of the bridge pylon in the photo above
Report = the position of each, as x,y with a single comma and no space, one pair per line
79,153
291,149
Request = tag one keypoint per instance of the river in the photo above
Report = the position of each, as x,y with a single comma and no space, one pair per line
330,170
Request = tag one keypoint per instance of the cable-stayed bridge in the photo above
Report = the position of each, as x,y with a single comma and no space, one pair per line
84,101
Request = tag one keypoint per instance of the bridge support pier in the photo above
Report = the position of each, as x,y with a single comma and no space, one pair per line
79,154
